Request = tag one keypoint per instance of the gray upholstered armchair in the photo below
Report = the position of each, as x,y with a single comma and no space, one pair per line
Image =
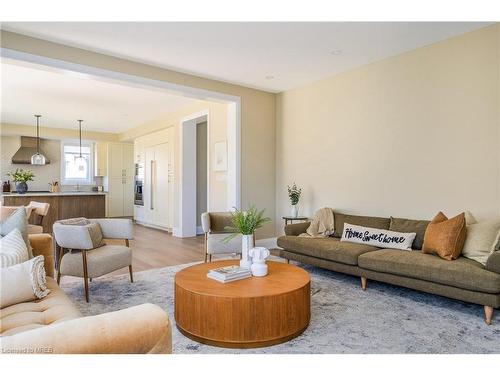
214,225
82,252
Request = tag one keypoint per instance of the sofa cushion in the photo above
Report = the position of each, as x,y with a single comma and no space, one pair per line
100,261
364,221
461,273
54,308
445,237
410,226
325,248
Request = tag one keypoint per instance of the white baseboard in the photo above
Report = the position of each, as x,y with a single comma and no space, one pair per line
270,243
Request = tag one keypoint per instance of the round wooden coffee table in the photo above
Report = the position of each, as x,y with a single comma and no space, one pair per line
249,313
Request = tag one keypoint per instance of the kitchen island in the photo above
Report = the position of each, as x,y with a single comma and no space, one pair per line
63,205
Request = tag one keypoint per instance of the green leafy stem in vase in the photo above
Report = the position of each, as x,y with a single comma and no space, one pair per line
294,193
245,222
21,175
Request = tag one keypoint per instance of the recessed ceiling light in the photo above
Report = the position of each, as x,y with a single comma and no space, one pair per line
336,52
269,77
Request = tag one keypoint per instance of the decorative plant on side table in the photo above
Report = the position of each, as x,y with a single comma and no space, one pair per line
294,194
21,177
245,223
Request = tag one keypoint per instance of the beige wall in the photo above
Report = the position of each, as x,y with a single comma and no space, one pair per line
257,112
407,136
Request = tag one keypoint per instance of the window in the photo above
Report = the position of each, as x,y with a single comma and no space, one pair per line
76,170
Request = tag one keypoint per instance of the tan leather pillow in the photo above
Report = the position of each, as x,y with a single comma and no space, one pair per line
445,237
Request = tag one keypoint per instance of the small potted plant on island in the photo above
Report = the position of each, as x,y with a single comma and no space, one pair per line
294,195
21,177
245,223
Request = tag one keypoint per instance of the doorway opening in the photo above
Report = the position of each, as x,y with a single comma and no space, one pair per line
232,179
195,173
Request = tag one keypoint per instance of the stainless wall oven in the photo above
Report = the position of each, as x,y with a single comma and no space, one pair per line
139,184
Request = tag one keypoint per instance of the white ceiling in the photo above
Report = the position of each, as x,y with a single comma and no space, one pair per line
61,99
246,53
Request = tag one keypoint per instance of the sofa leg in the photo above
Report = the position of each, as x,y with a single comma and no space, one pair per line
288,261
206,257
363,283
488,314
210,257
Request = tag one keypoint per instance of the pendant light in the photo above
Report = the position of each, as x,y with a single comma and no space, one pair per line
80,161
38,159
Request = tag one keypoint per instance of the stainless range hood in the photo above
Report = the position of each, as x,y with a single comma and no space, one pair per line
28,148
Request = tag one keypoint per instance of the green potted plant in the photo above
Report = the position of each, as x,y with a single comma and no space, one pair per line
245,223
21,177
294,194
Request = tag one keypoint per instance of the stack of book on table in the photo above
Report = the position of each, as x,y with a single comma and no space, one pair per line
229,273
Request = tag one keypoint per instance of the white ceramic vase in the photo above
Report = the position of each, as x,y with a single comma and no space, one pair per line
246,244
295,210
259,256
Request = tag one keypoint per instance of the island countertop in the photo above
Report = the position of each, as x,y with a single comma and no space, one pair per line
49,194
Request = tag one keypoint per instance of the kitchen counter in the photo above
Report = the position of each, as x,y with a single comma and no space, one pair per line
63,205
49,194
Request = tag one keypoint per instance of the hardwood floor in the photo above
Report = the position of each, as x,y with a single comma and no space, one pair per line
152,248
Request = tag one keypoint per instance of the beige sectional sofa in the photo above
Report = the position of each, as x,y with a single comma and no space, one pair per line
54,325
462,279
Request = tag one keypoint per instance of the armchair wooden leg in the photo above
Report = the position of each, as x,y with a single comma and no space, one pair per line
131,274
288,261
210,257
363,283
488,314
206,257
61,252
85,275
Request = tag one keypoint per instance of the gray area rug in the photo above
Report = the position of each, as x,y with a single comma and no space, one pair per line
344,319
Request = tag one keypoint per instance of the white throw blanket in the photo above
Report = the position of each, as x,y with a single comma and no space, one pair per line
322,224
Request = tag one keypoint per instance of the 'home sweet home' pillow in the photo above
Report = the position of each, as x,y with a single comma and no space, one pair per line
377,237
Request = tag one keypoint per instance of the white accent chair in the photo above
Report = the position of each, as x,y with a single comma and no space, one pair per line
81,254
214,226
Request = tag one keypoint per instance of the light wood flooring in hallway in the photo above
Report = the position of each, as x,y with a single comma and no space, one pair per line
152,248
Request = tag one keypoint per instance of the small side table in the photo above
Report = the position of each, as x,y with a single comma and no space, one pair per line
291,219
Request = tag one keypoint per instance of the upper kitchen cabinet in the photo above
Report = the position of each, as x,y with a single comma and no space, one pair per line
100,159
120,179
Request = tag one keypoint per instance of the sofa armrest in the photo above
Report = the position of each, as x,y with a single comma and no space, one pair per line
140,329
493,262
296,229
42,245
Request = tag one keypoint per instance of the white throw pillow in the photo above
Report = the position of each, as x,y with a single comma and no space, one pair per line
386,239
23,282
13,249
483,238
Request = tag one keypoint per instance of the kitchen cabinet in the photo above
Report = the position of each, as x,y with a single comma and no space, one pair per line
100,159
156,154
120,179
